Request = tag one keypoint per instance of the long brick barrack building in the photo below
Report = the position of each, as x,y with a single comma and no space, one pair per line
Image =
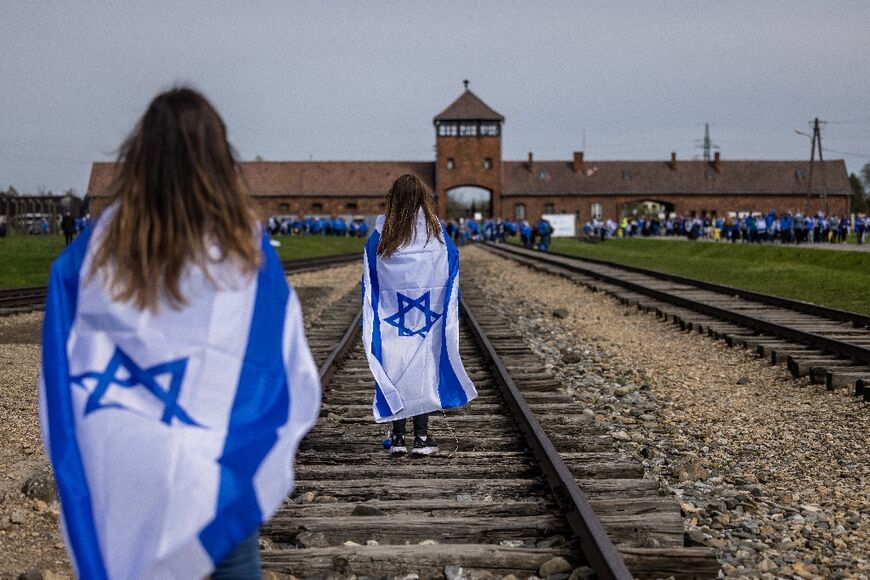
468,139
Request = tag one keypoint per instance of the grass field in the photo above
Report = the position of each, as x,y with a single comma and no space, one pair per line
838,279
25,260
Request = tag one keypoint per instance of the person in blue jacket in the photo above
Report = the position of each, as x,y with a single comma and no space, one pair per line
545,231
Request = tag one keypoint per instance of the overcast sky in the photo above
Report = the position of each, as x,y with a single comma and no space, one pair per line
362,80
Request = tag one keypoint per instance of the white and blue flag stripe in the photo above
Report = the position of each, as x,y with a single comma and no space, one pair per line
411,326
171,433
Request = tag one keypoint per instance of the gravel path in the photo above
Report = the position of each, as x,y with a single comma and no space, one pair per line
29,536
770,471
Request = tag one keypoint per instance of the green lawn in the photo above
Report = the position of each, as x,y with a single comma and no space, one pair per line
25,260
298,247
838,279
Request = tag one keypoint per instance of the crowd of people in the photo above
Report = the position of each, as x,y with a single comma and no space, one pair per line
299,226
787,228
461,231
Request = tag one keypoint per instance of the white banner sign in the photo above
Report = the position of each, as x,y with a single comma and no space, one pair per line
564,224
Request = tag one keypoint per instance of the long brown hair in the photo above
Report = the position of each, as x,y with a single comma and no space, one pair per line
179,192
406,196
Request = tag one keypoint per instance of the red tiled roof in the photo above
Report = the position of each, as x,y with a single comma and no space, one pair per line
657,178
468,107
306,178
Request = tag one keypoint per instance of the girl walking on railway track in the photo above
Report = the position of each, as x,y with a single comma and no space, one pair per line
411,316
176,380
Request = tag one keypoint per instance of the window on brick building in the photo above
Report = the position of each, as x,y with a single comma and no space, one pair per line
450,163
283,207
489,129
350,207
549,208
448,129
596,211
520,211
468,129
487,163
318,207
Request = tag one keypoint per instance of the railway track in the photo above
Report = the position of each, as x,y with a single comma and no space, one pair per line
19,300
829,346
523,479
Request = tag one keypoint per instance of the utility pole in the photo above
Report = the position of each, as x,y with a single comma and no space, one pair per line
817,142
707,144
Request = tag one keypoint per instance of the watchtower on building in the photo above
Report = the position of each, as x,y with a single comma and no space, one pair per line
468,149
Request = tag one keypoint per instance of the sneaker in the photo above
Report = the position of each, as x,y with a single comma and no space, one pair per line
424,445
398,444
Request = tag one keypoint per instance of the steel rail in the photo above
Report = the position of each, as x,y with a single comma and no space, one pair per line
319,262
852,351
855,318
337,354
600,552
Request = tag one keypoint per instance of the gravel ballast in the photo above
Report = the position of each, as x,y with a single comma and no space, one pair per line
30,539
770,471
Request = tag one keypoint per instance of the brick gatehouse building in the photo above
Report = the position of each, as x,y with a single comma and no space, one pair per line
468,154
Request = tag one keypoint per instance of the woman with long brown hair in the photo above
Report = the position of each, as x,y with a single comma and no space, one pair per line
411,316
176,380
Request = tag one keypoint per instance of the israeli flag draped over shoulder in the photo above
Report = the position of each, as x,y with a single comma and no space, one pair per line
411,326
172,433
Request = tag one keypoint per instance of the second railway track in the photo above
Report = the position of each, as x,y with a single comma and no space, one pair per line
20,300
491,503
830,347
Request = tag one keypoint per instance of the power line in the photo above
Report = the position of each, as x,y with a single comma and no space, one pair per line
850,121
847,153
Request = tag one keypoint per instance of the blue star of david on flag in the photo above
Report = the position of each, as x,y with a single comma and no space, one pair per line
406,305
146,378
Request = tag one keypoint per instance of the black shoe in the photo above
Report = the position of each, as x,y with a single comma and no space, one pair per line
398,444
424,445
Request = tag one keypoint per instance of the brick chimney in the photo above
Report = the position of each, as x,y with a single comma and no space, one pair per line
531,164
673,163
579,164
717,162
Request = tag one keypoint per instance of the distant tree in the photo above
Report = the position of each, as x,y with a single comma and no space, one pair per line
859,194
12,191
258,158
865,175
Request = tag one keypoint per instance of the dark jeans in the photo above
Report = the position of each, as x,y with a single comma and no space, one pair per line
243,563
68,236
421,425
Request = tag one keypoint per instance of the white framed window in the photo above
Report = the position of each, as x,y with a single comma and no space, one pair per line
468,129
597,211
520,211
447,129
489,129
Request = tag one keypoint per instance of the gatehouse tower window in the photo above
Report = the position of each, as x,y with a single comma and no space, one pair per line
489,129
520,211
468,129
450,163
487,163
448,129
